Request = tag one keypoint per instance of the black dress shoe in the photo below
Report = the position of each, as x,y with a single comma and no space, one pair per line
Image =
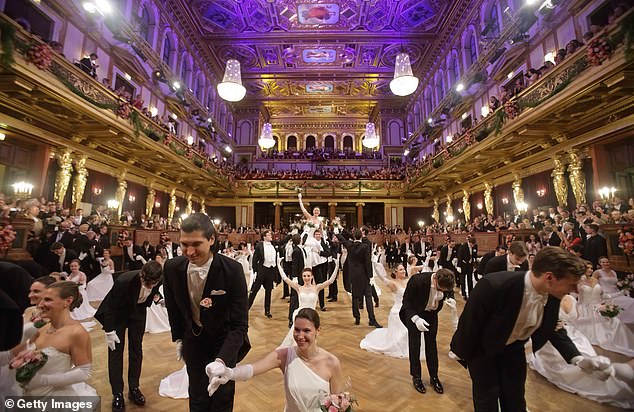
375,324
268,315
136,396
361,307
435,383
332,299
376,305
323,309
118,403
357,321
418,385
285,296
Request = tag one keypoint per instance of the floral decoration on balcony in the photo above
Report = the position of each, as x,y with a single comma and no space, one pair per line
598,50
123,111
40,55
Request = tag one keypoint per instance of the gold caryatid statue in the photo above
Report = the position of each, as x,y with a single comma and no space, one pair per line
149,203
435,214
518,193
171,208
559,181
79,183
122,186
449,210
62,177
488,198
577,177
466,206
189,207
202,206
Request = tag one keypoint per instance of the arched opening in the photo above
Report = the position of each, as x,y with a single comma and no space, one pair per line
167,50
348,143
310,143
329,143
185,70
291,143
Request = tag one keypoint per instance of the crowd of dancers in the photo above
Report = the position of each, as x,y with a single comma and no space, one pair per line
202,291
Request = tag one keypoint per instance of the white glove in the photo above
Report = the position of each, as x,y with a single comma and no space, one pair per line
294,231
454,261
458,269
82,255
420,323
179,349
335,230
450,302
112,339
604,374
623,371
429,252
591,363
218,375
29,331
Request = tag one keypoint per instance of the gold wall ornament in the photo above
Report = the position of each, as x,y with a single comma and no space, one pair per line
171,208
149,203
577,177
79,183
63,175
203,206
449,211
518,193
119,196
466,206
188,207
488,198
436,214
559,181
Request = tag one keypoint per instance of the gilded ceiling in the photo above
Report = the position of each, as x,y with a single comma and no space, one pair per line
320,55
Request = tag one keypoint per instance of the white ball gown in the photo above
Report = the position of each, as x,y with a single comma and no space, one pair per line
549,363
304,389
98,288
59,362
84,311
391,341
611,293
306,300
156,320
175,385
608,333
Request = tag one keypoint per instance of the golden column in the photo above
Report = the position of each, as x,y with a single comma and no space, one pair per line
577,177
149,202
122,186
488,198
62,177
466,206
202,206
436,214
332,210
171,208
188,207
79,183
359,206
278,215
449,211
518,193
559,181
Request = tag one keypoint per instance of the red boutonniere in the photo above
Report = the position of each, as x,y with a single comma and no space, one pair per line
206,303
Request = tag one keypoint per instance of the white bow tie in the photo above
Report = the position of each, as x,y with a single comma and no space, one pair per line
202,272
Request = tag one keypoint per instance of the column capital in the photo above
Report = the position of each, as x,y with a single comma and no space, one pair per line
331,204
361,204
278,204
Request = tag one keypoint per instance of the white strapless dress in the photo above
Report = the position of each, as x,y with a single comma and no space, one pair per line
549,363
608,333
157,320
59,362
175,385
303,387
306,300
611,293
98,288
392,341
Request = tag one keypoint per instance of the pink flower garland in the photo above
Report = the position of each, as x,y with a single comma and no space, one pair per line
598,51
40,55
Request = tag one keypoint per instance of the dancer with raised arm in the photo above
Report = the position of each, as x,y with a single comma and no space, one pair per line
310,372
313,222
307,293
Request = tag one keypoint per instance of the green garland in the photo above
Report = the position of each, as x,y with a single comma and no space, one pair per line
7,32
136,122
438,162
498,121
111,106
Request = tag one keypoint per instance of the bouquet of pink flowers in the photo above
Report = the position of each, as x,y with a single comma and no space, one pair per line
123,111
7,236
338,402
598,50
626,283
38,320
609,310
40,55
26,365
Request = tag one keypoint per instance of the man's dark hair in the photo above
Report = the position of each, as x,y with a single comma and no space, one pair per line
364,230
445,279
356,234
264,233
57,246
558,261
199,221
500,248
594,227
296,239
152,271
518,248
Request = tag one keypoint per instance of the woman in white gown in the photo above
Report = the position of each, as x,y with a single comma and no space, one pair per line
313,222
391,341
608,333
64,341
607,279
156,320
84,311
310,372
307,293
549,363
98,288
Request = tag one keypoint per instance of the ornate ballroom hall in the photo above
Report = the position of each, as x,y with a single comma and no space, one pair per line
416,118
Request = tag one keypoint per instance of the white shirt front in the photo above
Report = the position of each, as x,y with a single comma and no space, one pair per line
196,279
510,266
143,294
435,296
269,255
531,312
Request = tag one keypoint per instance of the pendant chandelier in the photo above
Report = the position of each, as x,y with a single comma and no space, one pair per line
404,82
266,140
231,88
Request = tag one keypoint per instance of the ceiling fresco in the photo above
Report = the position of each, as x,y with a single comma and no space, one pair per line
337,52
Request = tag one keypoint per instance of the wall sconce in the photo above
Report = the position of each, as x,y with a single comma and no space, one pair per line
541,192
113,204
153,111
479,206
607,193
216,221
132,198
190,140
484,111
522,207
177,208
2,137
184,216
157,204
421,223
97,190
505,201
22,190
449,219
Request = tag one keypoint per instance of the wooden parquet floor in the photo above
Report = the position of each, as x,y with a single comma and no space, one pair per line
381,383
